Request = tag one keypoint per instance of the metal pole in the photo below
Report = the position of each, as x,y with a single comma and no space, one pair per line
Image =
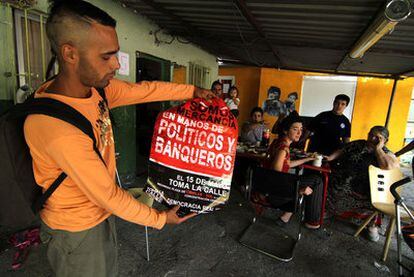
394,88
147,242
119,179
26,29
399,234
42,43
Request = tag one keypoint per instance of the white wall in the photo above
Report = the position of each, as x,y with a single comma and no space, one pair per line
133,35
318,94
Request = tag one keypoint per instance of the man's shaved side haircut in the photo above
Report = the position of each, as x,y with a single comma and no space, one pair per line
69,18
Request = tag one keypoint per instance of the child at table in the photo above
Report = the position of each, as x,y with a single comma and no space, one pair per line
311,186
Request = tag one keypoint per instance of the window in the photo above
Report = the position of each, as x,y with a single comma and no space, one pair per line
32,48
199,75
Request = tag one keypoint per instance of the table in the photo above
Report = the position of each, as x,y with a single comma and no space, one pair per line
244,161
252,156
259,159
325,170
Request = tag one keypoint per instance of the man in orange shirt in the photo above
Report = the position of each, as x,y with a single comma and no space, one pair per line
77,219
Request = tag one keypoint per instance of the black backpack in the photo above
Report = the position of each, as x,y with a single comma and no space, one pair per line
20,197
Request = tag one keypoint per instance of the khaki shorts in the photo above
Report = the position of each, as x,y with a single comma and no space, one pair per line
92,252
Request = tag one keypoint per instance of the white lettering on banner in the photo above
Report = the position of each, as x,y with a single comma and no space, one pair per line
183,204
179,184
232,142
215,183
168,115
195,124
163,125
192,155
159,142
217,128
192,136
156,194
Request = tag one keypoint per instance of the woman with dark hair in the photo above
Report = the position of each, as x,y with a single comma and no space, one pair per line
349,188
290,130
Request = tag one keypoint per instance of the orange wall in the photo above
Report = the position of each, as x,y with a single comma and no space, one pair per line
287,81
399,113
248,82
371,105
372,97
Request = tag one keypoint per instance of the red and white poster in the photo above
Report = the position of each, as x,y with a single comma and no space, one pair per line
192,156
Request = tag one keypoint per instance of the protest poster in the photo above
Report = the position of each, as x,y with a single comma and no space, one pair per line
192,156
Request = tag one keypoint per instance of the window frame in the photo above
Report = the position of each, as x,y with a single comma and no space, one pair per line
19,29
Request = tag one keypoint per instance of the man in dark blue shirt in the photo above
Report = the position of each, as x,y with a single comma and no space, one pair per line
331,129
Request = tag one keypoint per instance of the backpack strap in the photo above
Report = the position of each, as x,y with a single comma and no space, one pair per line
103,95
62,111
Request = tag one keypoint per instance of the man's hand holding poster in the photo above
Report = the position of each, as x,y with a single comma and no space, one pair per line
192,155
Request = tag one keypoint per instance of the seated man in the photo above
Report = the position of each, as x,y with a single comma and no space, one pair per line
349,188
252,131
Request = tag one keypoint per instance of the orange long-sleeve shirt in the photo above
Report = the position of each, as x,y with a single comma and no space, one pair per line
89,194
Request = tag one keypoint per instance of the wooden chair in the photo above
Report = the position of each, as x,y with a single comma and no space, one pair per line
264,235
382,200
144,198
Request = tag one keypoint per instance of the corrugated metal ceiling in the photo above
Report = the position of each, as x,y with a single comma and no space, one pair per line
291,34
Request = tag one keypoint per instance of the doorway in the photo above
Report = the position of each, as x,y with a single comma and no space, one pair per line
149,68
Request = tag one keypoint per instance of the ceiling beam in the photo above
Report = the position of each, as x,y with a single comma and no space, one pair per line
409,73
193,34
160,8
241,4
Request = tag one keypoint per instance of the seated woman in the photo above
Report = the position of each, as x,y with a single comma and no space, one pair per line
349,188
252,131
310,185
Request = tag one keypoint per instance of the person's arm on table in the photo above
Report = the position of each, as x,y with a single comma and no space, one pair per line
335,155
296,163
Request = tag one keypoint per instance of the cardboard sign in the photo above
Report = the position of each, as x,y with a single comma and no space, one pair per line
192,155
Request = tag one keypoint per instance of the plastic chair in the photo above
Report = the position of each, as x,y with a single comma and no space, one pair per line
263,235
144,198
382,200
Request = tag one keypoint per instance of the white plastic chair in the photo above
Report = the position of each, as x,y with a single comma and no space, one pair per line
382,200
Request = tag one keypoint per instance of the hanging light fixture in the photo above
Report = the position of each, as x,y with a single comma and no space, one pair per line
395,12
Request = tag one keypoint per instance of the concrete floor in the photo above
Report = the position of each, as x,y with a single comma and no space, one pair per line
207,245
